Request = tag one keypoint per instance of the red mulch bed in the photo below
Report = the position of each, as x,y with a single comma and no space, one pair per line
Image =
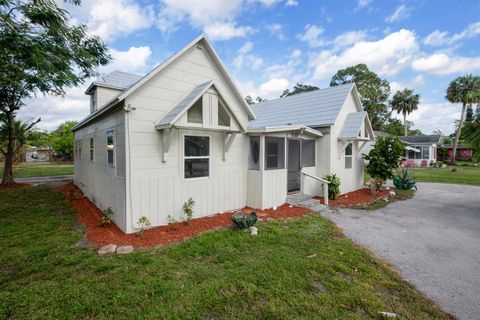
90,216
14,186
355,198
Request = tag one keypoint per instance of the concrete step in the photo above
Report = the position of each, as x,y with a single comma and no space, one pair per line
296,198
310,203
319,207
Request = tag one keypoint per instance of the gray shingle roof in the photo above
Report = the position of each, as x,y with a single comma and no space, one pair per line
421,139
315,108
352,125
381,134
185,103
117,79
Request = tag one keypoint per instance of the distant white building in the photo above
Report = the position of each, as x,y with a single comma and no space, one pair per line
184,130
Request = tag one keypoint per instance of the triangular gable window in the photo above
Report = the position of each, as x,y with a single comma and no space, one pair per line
195,113
223,116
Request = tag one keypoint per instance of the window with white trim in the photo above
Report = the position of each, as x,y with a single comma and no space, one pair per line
254,156
92,149
196,157
274,153
425,152
348,156
110,135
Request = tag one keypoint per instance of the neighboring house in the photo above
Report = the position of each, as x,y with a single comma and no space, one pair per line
38,154
184,130
445,152
423,149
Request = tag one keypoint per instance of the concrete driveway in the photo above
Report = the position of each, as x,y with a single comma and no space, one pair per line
433,240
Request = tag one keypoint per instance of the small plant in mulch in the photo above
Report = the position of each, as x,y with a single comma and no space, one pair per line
143,223
188,209
244,221
172,222
333,186
107,217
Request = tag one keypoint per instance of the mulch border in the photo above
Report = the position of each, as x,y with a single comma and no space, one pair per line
382,195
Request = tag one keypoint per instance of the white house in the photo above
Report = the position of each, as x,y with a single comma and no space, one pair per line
184,130
423,149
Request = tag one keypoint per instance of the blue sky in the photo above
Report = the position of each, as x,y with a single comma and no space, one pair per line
269,45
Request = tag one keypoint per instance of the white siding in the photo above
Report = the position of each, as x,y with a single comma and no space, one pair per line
104,95
351,179
104,185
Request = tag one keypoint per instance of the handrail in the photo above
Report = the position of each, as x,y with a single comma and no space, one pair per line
325,190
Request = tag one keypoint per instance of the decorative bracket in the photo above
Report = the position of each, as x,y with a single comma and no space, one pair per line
166,141
228,140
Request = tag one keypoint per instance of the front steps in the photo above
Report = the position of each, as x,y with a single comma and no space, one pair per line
301,200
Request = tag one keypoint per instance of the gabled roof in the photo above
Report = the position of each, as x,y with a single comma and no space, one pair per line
314,109
173,115
116,80
353,124
202,39
421,139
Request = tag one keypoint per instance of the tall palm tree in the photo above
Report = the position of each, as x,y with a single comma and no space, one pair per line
405,102
464,90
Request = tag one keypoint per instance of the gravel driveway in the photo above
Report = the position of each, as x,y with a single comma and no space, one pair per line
433,239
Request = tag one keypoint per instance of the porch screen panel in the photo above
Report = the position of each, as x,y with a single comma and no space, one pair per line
274,153
254,153
418,155
308,153
426,152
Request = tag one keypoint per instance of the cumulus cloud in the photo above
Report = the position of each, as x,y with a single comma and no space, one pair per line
386,56
216,17
402,12
312,36
291,3
276,30
111,19
273,88
348,38
133,60
439,38
363,3
246,58
432,116
442,64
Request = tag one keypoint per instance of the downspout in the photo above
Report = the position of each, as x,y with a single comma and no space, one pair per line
128,183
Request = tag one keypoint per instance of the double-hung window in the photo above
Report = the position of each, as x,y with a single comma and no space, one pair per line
111,148
92,149
196,156
274,153
348,156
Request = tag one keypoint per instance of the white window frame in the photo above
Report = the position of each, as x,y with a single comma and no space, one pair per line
314,153
209,157
285,155
93,101
348,156
91,148
113,148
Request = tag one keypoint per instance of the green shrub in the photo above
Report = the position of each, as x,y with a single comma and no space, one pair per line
143,223
107,217
243,221
188,209
333,186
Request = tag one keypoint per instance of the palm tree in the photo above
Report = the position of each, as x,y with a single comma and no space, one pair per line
464,90
405,102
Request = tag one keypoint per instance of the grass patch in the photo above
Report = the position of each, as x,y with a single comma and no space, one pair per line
28,170
463,175
220,274
399,195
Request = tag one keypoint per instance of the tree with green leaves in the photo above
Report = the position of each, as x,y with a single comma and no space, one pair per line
382,159
298,88
405,102
22,133
373,91
63,139
464,90
250,100
41,52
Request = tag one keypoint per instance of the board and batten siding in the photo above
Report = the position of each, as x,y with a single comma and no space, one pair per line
352,178
158,189
104,95
103,184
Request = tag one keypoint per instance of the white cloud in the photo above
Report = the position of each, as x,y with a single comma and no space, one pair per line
133,60
348,38
215,17
111,19
396,86
296,53
291,3
386,56
432,116
439,38
363,3
442,64
312,36
245,58
273,88
401,13
276,30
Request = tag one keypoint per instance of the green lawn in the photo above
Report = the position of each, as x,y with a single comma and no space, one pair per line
39,170
463,175
220,274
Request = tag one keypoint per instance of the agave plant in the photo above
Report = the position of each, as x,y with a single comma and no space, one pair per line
404,180
243,221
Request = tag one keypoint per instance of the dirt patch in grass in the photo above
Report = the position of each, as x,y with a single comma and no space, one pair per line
89,215
360,197
14,186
